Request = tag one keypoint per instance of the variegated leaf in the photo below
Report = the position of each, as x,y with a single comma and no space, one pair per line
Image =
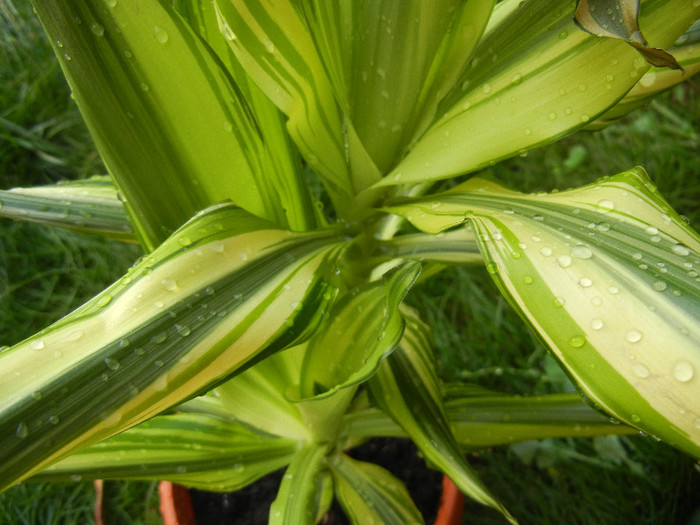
297,500
224,290
371,495
406,387
197,450
607,275
534,77
91,205
165,115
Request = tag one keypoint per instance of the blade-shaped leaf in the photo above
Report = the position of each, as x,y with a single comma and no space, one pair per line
196,450
488,419
273,44
607,275
363,327
91,205
406,387
652,83
298,498
258,397
284,182
534,77
226,289
370,494
618,19
165,115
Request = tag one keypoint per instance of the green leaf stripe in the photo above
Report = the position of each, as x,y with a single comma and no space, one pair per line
211,308
198,450
91,206
607,275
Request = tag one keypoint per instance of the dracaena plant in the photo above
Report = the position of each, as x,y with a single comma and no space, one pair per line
283,166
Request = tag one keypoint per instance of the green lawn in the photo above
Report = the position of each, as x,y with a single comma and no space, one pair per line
44,273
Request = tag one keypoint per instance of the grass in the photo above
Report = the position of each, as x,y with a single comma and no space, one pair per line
44,273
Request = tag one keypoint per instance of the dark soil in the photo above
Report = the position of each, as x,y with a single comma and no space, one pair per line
250,506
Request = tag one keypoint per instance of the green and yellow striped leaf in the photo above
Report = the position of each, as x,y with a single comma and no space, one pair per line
259,397
488,419
303,482
363,327
274,46
370,494
91,206
534,77
654,82
607,275
196,450
223,291
485,419
406,387
166,116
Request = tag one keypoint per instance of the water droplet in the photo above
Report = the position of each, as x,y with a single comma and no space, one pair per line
74,336
486,88
635,418
605,206
546,251
97,29
603,227
67,56
597,324
111,3
659,286
581,252
634,336
613,290
640,371
160,34
54,420
683,371
37,344
585,282
104,301
492,268
563,34
559,302
169,284
577,341
528,131
159,338
21,431
112,364
183,331
680,249
184,241
564,261
527,279
696,423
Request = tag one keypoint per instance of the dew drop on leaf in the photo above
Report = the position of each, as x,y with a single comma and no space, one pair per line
640,371
683,372
633,336
160,34
577,341
581,252
680,249
22,431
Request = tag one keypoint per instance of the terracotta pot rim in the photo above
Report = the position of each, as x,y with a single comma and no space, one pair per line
176,505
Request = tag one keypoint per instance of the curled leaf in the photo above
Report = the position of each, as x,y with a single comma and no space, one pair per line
619,19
